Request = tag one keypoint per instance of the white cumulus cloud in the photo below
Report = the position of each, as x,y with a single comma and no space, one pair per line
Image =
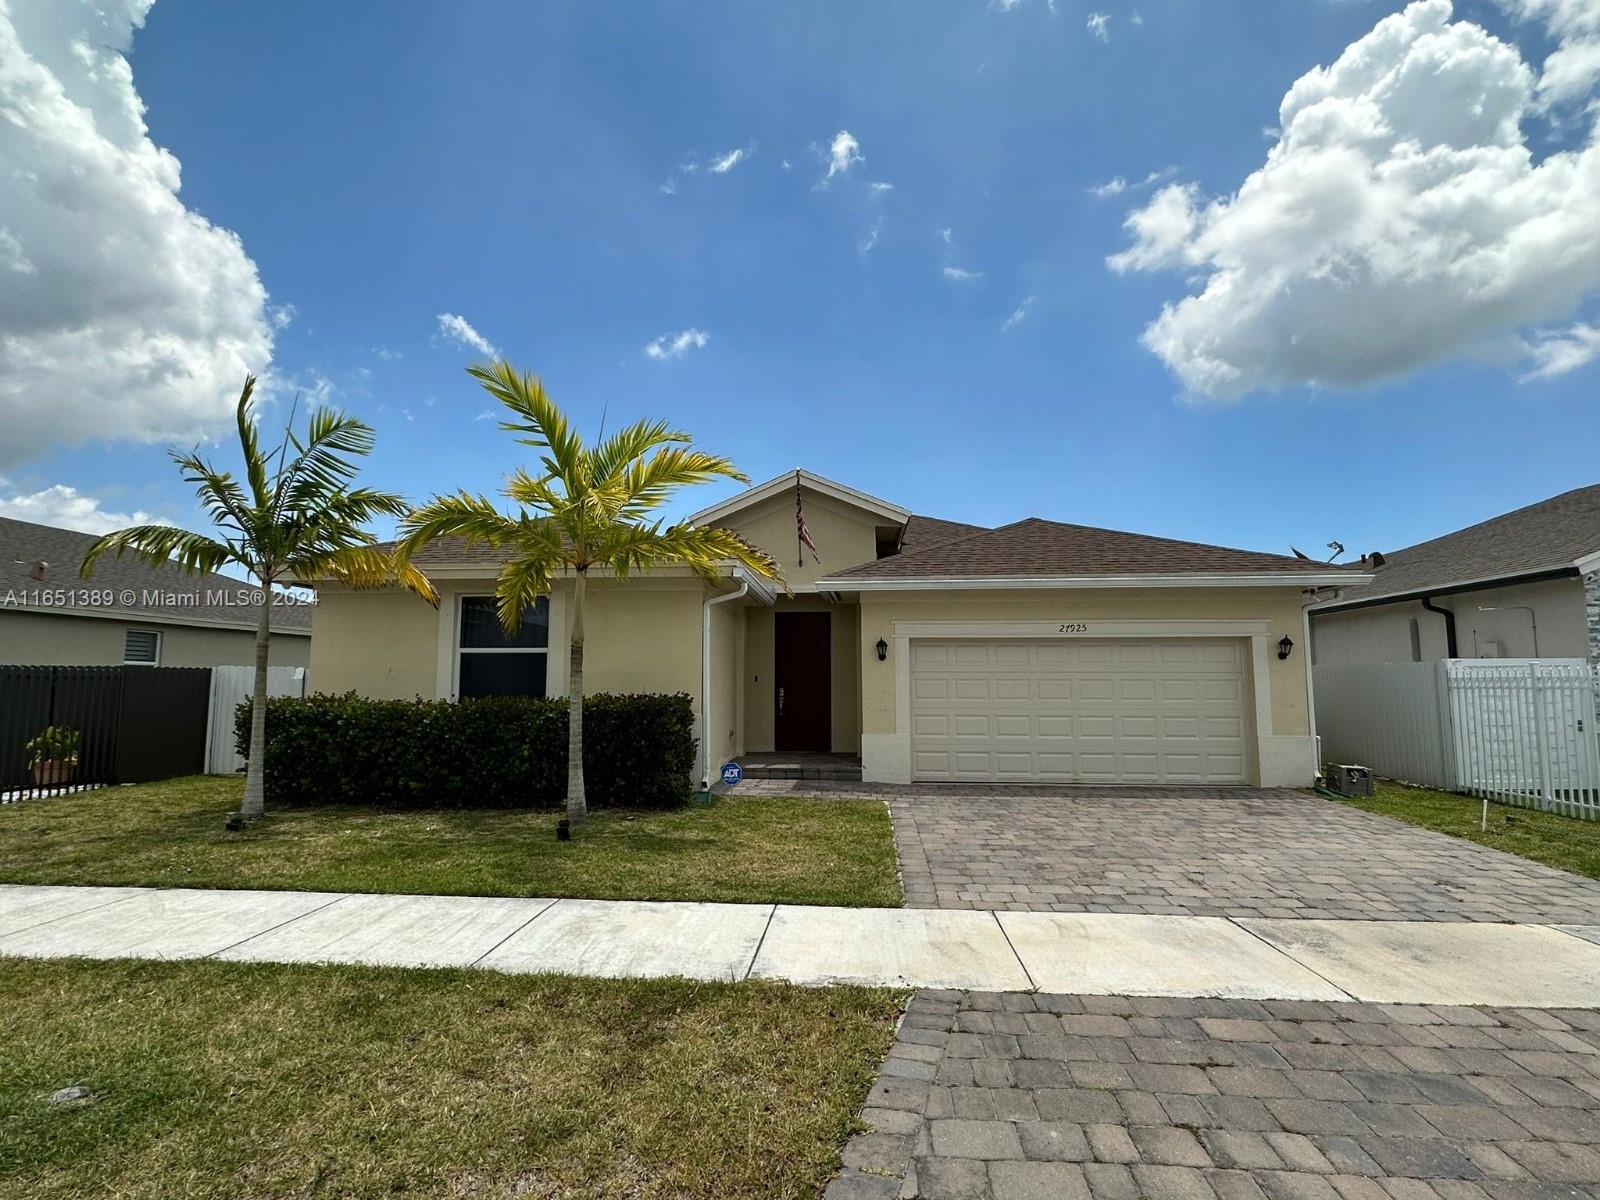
67,508
459,330
676,345
1401,219
1099,24
727,162
123,315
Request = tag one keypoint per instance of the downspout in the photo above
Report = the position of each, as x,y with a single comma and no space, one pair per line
1449,626
1311,693
705,674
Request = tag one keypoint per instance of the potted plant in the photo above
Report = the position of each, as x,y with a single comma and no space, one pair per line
53,755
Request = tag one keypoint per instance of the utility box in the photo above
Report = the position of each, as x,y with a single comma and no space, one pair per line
1347,779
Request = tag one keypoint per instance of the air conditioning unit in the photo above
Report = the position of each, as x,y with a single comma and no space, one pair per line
1346,779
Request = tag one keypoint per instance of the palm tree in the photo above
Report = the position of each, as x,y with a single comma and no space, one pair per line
587,508
297,518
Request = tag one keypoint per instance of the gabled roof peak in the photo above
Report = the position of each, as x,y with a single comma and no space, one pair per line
890,513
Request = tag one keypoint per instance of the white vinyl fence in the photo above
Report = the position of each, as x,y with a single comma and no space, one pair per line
1520,731
231,687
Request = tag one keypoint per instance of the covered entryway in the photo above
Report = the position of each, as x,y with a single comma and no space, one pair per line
1156,711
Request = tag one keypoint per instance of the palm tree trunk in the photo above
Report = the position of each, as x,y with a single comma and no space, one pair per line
255,773
577,803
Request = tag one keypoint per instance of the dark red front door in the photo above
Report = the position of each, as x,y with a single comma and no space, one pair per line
801,668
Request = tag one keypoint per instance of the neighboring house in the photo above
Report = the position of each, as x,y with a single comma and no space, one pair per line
1037,651
127,613
1523,585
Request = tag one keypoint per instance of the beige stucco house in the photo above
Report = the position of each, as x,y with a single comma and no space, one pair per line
937,651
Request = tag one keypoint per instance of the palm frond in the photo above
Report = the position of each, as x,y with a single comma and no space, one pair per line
219,493
520,584
322,463
255,463
365,567
464,515
648,483
545,424
161,544
611,457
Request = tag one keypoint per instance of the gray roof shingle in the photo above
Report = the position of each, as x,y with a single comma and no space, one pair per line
22,544
1549,535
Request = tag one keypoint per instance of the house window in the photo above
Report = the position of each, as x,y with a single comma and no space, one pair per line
491,664
141,648
1416,641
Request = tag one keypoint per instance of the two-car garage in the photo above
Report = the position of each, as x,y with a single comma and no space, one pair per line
1139,711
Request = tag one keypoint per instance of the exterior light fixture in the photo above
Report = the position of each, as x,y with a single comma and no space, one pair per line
883,650
1285,646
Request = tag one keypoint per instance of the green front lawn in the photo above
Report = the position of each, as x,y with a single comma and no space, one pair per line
739,849
1556,841
240,1081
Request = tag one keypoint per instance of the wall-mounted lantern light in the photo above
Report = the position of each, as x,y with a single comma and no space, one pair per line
1285,646
883,649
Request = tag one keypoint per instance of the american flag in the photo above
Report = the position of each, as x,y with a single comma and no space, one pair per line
802,534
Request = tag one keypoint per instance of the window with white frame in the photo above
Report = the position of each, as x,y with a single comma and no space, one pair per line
488,663
141,648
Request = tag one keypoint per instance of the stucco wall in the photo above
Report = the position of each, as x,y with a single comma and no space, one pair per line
844,670
380,644
642,635
1382,633
845,536
43,639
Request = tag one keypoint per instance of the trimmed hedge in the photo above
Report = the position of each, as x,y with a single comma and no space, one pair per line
503,752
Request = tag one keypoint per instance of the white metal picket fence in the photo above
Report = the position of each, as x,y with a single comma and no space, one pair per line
231,687
1520,731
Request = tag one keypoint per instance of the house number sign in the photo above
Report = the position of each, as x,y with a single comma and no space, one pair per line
1072,627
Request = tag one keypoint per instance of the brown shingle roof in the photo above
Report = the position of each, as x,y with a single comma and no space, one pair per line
1039,548
22,544
922,532
1551,534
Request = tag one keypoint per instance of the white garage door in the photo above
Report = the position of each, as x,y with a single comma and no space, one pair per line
1078,711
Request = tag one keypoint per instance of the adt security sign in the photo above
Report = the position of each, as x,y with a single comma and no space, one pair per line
732,773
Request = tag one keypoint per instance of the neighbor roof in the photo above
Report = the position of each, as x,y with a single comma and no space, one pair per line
1542,538
134,584
1036,548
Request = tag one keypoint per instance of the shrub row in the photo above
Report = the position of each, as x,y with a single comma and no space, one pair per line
505,752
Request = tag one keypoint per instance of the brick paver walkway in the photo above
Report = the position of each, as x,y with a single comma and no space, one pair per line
1230,853
990,1096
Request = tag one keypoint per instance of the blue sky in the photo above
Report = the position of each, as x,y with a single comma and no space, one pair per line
524,167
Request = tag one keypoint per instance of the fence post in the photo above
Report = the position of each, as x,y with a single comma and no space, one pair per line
1541,735
1448,751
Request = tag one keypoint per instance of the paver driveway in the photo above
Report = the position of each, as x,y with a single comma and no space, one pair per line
1224,852
991,1096
1227,852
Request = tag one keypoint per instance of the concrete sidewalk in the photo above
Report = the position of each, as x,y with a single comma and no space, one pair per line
1404,962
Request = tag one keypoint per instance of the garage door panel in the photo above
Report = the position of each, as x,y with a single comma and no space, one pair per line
1157,711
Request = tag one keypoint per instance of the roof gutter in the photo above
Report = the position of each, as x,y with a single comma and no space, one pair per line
1452,589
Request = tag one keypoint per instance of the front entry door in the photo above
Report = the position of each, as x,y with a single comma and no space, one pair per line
802,674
